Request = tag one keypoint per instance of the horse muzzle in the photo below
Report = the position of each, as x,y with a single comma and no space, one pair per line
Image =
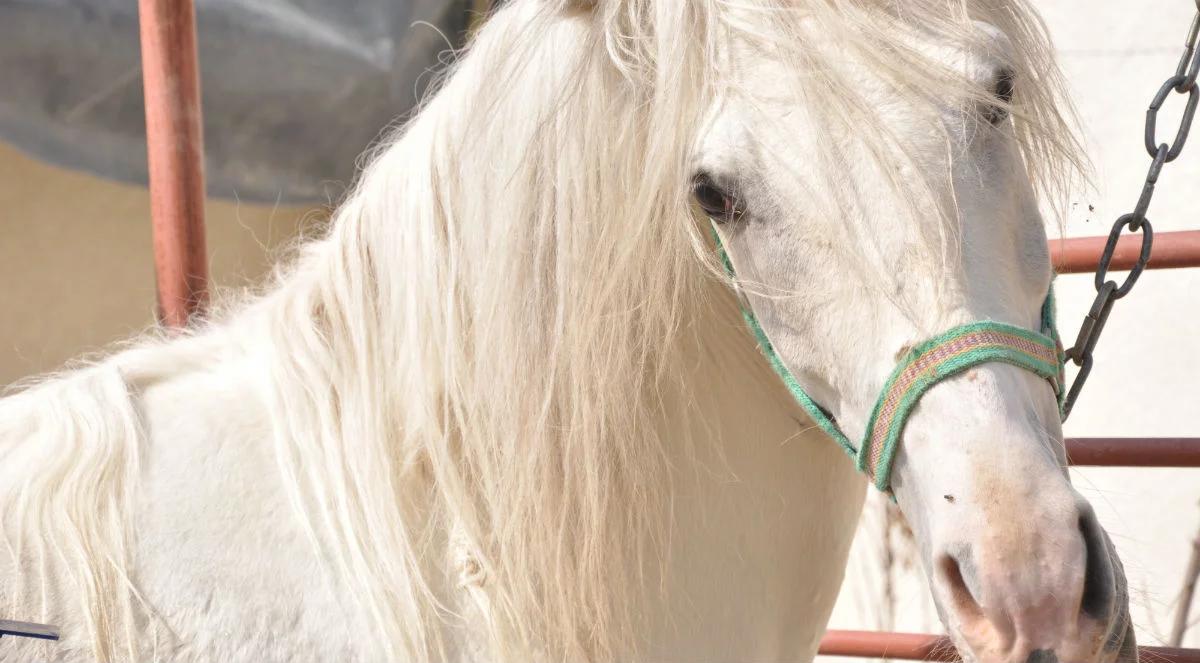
1019,566
1033,582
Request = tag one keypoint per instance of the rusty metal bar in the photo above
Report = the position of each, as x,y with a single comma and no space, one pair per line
877,644
1134,451
925,647
1172,250
175,150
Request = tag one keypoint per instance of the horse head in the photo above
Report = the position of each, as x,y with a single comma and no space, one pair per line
874,206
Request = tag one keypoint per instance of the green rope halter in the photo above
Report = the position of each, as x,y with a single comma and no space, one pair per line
927,364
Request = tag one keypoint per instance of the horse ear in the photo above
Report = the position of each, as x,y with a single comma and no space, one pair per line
562,5
485,5
577,5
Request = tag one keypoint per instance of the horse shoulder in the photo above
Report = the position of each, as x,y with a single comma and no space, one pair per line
68,445
140,506
222,555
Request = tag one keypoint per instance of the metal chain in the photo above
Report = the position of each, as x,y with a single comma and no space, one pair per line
1107,291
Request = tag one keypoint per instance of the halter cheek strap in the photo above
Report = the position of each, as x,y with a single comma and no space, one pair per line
927,364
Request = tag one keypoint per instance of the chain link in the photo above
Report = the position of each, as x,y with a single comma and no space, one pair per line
1182,82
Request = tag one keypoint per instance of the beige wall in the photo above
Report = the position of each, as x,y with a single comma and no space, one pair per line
76,270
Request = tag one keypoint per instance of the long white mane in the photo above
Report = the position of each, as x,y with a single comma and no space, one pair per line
481,347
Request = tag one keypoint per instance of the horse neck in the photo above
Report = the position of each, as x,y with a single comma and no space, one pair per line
727,382
760,509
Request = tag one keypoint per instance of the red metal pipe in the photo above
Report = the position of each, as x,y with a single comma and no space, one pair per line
925,647
1134,452
875,644
175,150
1081,254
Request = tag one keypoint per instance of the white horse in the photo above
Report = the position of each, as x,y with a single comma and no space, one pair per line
507,409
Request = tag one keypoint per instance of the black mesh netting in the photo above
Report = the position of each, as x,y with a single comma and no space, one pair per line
293,90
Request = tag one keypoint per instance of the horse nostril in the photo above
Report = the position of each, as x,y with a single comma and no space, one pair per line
1098,574
1042,656
963,600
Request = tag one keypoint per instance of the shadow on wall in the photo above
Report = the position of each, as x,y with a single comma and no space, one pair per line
76,268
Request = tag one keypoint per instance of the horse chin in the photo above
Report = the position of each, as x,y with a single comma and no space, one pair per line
1119,645
1126,651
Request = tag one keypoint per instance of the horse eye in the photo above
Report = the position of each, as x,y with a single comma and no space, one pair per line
718,204
1003,91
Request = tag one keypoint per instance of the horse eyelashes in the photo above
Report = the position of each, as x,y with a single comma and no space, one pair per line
1003,91
719,204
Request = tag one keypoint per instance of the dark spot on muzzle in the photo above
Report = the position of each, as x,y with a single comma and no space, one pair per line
1042,656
